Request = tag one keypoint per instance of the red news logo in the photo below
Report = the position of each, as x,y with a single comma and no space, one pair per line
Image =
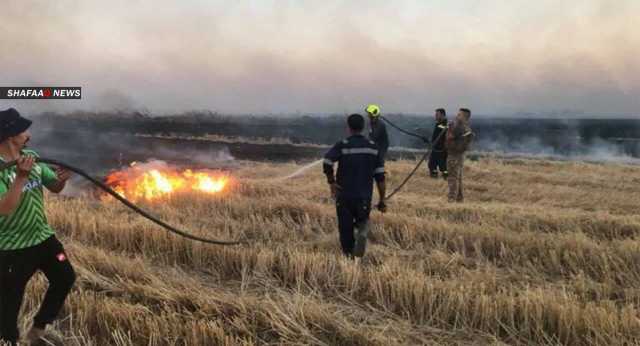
24,93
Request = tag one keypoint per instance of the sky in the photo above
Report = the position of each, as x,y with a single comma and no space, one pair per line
409,56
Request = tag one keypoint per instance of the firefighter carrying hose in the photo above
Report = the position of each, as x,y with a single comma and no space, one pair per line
359,163
438,158
378,130
27,243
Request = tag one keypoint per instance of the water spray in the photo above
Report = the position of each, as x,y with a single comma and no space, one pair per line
406,179
303,170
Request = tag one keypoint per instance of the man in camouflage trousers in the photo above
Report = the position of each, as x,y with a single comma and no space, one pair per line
459,138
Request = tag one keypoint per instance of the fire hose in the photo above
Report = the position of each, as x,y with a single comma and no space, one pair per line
415,169
425,139
124,201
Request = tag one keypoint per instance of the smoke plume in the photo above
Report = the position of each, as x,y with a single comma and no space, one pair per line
410,56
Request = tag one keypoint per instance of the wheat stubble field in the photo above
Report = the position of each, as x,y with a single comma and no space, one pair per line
542,253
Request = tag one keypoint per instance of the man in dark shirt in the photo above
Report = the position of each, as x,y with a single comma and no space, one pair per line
438,158
377,130
359,163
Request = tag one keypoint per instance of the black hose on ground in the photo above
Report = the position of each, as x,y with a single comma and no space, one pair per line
124,201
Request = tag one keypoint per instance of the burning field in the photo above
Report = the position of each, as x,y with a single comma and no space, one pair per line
543,253
157,180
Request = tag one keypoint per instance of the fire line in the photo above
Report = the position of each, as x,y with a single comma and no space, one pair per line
126,202
148,182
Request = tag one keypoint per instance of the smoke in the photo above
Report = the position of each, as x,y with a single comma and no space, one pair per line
597,150
525,146
604,151
207,158
78,187
329,56
116,100
96,149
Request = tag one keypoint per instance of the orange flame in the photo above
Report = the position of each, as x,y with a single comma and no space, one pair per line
150,182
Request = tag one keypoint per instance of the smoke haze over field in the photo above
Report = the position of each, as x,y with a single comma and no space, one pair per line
327,56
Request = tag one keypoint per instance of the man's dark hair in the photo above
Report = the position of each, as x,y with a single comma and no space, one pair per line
356,122
441,111
466,112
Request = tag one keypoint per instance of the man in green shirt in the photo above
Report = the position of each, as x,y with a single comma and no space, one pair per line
27,242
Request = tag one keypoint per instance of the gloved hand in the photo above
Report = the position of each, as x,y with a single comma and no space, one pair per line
426,140
382,207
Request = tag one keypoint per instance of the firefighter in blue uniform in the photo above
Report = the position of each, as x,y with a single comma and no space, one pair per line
438,158
359,163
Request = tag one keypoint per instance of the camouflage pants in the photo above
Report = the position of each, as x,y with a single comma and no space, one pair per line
455,164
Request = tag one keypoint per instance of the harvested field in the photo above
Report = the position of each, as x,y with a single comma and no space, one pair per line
543,252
